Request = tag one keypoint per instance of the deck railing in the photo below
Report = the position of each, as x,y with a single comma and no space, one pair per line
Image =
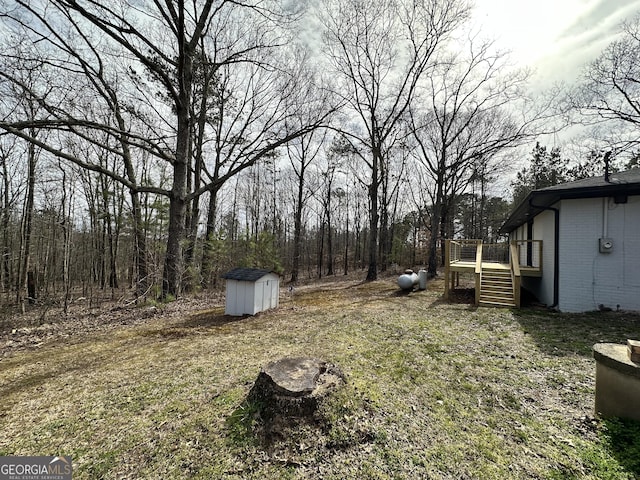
495,253
516,277
528,254
524,258
462,250
478,271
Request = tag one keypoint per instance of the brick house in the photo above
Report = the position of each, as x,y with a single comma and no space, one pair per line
590,233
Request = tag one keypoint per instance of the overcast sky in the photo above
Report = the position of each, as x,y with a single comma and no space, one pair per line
556,37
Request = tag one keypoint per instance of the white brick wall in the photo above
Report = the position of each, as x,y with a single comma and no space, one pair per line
589,278
543,229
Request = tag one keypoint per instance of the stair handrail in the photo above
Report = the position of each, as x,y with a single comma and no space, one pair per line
478,271
514,264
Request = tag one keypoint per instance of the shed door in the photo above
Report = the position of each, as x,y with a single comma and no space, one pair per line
266,295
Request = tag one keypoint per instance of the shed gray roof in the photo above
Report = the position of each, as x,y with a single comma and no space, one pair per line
619,184
246,274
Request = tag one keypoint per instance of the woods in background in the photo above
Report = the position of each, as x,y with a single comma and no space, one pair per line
150,148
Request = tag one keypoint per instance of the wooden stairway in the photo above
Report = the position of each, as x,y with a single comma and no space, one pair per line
496,288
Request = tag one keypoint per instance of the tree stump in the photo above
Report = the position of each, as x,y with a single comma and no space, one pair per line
294,387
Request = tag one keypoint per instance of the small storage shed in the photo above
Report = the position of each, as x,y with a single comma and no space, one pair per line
251,290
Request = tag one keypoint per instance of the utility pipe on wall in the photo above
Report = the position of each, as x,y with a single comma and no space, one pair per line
605,217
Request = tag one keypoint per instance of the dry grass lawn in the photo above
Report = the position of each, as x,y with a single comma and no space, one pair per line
434,390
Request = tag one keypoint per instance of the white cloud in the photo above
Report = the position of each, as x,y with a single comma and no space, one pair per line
556,37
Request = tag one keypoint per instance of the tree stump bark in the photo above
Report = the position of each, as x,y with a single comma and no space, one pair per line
294,387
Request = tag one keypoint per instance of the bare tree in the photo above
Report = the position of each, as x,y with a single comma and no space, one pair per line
393,176
476,108
162,43
258,110
29,75
302,154
609,94
379,50
95,111
7,199
325,197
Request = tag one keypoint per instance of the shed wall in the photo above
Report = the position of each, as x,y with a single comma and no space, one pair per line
239,296
267,293
249,298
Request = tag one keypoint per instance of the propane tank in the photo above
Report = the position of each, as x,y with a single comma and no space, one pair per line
422,279
408,280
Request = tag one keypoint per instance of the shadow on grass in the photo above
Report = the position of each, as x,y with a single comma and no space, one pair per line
195,325
401,293
207,319
622,439
570,334
459,296
34,379
463,296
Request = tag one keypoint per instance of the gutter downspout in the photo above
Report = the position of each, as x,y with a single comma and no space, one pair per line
556,253
605,217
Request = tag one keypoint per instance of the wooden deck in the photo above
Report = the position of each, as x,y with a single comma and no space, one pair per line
470,267
523,259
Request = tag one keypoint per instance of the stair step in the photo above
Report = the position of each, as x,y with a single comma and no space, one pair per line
502,283
497,277
487,303
496,288
508,295
497,301
493,293
497,281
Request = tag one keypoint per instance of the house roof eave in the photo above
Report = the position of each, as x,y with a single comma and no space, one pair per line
538,200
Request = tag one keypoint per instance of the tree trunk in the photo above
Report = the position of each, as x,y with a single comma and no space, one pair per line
320,250
372,273
194,217
436,218
206,267
140,242
31,287
297,228
114,241
6,250
330,259
172,272
27,225
67,229
294,387
384,238
107,232
346,243
383,244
